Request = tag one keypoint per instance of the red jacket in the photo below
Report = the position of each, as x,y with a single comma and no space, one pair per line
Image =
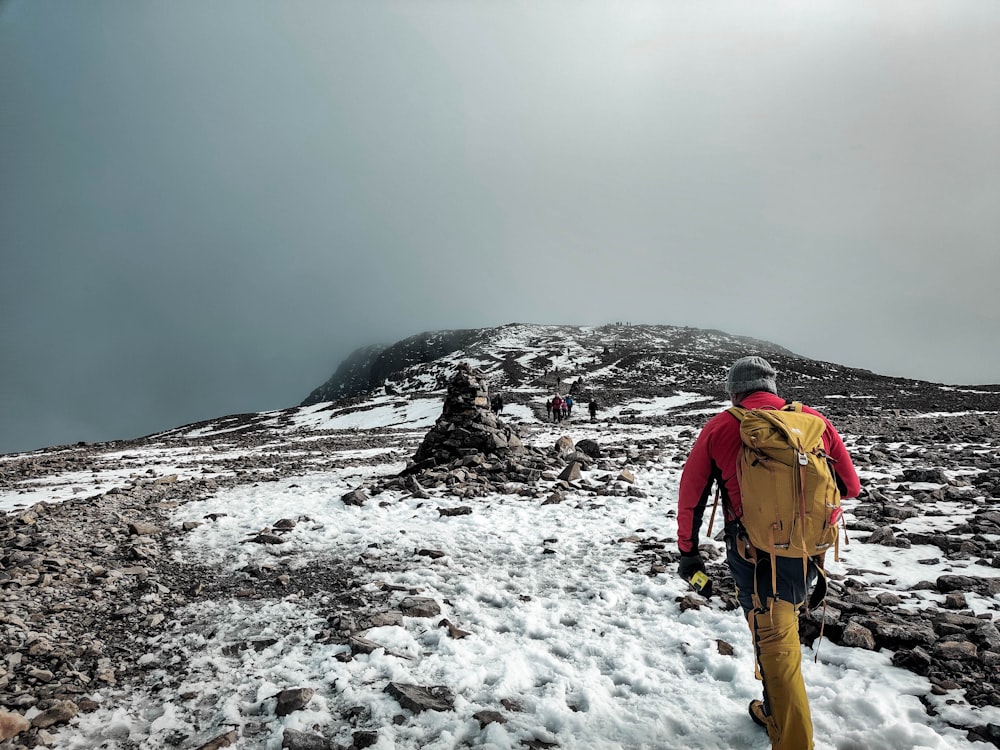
714,458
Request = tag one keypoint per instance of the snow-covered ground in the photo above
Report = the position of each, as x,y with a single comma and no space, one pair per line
572,646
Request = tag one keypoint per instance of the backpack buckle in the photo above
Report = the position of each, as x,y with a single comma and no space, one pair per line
803,459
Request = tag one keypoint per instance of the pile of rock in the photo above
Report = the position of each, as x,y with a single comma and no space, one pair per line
532,472
466,425
470,453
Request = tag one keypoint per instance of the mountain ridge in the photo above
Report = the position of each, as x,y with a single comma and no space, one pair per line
656,360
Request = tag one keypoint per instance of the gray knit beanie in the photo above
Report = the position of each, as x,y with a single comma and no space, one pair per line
751,374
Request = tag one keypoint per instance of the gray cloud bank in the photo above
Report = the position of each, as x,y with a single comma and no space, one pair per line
204,207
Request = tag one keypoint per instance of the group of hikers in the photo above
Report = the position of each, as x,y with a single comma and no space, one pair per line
559,408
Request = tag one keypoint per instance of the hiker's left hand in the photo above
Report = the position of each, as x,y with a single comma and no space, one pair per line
690,564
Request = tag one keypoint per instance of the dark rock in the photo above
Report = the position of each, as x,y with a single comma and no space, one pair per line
898,512
293,699
858,636
955,600
916,660
59,713
416,489
929,475
223,740
361,645
381,620
417,698
555,498
461,510
293,739
266,538
571,473
489,717
955,650
356,497
949,583
364,738
884,536
894,632
141,528
589,448
433,554
987,636
419,606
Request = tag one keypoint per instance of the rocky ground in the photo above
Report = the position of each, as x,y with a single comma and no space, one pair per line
86,581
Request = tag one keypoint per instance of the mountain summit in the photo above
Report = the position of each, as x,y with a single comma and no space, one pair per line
614,363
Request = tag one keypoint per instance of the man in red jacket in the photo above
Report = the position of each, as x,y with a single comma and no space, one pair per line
784,712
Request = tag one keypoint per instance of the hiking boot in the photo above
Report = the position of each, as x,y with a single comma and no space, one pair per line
756,711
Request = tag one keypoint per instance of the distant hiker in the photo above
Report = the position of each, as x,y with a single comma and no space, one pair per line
770,586
496,404
592,408
548,409
557,408
569,406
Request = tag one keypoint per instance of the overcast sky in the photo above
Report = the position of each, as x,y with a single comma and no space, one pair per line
205,206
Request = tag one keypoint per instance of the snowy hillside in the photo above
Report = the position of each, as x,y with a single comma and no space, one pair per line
217,584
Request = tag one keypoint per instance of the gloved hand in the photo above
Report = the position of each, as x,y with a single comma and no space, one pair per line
689,566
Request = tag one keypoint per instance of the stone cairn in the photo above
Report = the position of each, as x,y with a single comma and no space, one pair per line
470,453
466,425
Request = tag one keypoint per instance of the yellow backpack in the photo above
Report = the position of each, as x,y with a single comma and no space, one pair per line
791,503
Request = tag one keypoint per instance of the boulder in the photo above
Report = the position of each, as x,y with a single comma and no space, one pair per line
858,636
564,447
589,448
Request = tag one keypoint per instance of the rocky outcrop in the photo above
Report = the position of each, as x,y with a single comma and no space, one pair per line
370,366
352,378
